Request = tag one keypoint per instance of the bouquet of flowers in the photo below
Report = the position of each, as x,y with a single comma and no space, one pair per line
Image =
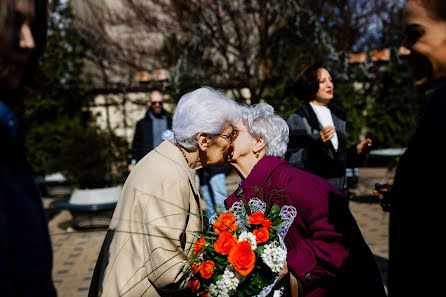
243,252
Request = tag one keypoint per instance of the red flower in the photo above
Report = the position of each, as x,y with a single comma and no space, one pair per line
256,218
199,244
195,267
261,234
194,285
225,223
225,243
242,257
267,223
207,268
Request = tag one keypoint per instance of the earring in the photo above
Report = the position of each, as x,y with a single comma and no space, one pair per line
205,150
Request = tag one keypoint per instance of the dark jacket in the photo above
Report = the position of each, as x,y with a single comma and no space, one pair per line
306,150
143,138
25,248
206,173
326,250
418,191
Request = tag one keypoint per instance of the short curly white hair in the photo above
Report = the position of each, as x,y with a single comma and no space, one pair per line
262,121
203,110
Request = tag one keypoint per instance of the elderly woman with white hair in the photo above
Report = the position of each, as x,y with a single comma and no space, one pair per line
326,251
158,214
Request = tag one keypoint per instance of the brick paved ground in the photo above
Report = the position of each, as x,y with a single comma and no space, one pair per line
75,252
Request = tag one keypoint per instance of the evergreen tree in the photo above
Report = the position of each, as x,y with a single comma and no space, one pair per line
56,106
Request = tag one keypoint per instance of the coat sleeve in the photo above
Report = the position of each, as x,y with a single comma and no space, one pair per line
319,250
304,146
168,240
137,143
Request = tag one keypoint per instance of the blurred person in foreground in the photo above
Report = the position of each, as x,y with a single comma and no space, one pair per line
415,224
158,216
149,130
318,141
326,251
25,247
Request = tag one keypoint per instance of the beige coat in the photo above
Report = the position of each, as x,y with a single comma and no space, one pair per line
153,229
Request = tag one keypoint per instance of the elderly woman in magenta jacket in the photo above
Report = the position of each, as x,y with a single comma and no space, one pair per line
326,251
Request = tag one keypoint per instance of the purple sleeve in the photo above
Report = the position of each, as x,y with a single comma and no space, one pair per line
316,248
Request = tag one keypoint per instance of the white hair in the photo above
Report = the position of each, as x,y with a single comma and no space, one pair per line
263,122
204,110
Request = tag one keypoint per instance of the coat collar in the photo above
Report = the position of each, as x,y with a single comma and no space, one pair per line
258,177
172,152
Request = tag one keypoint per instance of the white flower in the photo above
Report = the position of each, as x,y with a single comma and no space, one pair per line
225,286
274,256
251,238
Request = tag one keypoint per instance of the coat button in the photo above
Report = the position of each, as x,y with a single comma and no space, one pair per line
308,277
239,193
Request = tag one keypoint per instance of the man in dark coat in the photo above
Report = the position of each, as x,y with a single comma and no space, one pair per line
149,130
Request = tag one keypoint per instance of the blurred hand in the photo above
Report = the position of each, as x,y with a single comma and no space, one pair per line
283,272
384,193
327,133
130,167
364,146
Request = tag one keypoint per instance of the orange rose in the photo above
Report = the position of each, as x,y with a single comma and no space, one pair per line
199,244
261,234
267,223
242,257
194,285
226,241
205,294
256,218
207,268
195,267
226,222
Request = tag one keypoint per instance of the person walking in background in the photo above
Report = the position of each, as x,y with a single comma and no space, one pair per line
318,131
416,221
149,130
325,249
158,215
213,187
25,249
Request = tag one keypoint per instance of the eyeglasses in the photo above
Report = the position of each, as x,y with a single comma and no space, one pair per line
231,137
157,102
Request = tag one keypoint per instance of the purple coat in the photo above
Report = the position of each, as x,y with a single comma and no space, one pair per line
326,250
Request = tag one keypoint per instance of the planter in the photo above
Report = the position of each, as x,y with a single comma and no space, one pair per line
90,208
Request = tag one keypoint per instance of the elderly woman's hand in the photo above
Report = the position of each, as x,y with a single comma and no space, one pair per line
327,133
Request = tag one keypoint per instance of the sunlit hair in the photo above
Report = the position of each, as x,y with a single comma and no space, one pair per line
203,110
263,122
